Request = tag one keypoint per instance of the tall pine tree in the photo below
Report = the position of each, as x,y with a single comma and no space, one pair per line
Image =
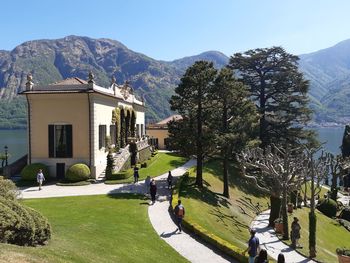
234,119
280,93
193,102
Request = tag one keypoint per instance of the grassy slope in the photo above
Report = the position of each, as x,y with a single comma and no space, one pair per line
330,235
223,217
162,163
95,229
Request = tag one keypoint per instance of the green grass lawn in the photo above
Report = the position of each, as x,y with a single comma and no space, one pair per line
228,219
161,163
95,229
329,236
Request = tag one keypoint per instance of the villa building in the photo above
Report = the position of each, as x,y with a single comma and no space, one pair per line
74,121
158,132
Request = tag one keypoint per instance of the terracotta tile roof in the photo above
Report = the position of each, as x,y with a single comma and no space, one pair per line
70,81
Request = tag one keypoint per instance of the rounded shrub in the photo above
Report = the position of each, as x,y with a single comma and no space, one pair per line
30,171
78,172
21,225
9,224
24,235
328,207
42,227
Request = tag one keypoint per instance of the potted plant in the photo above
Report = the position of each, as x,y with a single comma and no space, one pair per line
343,255
279,226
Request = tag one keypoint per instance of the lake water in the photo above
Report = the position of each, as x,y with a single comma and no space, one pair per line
16,141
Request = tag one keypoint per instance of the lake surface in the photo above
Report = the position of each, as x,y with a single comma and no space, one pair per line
16,141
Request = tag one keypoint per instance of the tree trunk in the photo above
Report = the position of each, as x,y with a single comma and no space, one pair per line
285,215
312,218
199,174
226,192
262,124
275,209
224,151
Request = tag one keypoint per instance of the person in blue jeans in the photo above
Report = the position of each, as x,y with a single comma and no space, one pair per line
253,245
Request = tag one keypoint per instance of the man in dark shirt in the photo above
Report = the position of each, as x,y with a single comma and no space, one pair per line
253,245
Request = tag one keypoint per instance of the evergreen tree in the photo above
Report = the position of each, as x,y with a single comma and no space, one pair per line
193,103
345,146
280,93
234,119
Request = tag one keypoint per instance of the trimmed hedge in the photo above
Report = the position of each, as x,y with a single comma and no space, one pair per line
328,207
209,237
121,175
21,225
8,189
30,171
78,172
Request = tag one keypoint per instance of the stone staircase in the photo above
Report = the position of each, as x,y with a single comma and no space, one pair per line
120,158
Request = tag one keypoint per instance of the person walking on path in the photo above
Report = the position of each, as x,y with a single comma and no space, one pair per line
179,212
153,190
262,257
136,174
253,245
40,178
295,233
169,180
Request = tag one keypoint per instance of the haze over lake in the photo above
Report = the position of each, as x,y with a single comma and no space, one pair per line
16,140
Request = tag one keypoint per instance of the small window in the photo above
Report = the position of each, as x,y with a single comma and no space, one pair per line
101,136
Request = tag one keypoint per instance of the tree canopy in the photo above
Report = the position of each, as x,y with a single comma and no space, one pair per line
279,91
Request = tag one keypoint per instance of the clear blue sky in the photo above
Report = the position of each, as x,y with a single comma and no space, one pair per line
173,29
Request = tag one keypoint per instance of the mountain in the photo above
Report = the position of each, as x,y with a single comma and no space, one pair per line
74,56
329,73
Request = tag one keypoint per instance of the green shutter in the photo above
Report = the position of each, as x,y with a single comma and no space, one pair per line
69,135
51,136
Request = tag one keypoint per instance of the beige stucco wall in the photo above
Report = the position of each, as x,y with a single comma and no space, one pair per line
48,109
73,109
102,112
161,134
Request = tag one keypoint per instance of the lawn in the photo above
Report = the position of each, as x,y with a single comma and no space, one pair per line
227,218
160,164
95,229
330,235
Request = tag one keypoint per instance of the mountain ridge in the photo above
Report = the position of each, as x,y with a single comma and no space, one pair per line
51,60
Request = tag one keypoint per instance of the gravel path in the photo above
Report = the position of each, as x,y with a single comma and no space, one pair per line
270,242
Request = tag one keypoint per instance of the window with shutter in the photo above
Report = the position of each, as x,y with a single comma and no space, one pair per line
60,141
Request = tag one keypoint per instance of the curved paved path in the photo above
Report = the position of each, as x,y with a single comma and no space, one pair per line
272,244
160,218
162,222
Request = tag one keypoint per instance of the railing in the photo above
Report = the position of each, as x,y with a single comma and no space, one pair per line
15,167
120,158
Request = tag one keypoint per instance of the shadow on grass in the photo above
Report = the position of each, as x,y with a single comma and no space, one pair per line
234,220
126,196
236,179
191,190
